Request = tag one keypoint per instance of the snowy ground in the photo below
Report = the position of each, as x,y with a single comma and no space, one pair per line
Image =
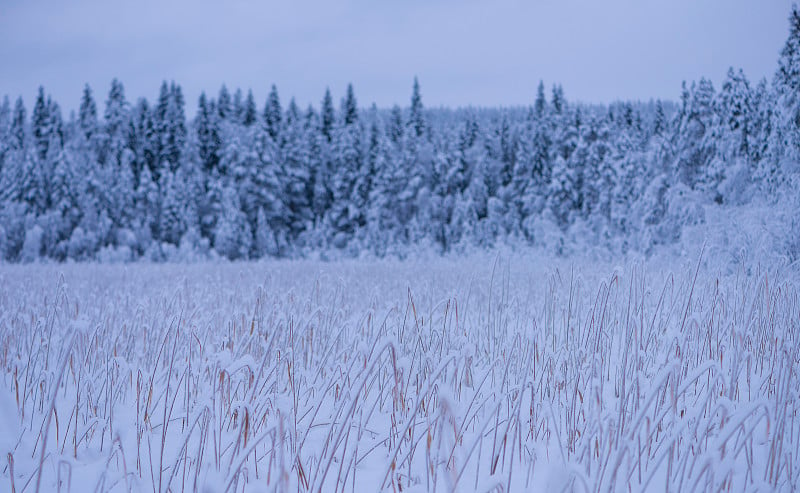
488,373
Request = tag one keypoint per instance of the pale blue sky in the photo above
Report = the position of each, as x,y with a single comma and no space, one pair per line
464,52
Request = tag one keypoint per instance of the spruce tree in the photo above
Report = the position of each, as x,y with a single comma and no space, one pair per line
170,123
561,193
224,104
318,165
40,119
375,132
786,84
344,215
730,137
161,128
174,215
350,107
238,106
395,129
250,114
142,141
697,119
208,138
5,119
764,108
787,77
327,117
557,100
292,113
5,132
735,109
116,124
177,118
273,114
18,119
296,157
416,118
660,120
233,234
87,114
540,105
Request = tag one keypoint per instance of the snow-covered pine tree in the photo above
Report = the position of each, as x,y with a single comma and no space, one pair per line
536,147
259,181
40,125
273,115
380,215
177,210
540,104
18,119
5,133
296,172
417,163
142,141
224,104
562,193
599,178
16,172
116,125
87,114
176,125
660,123
232,234
237,107
416,119
320,164
349,110
729,169
696,119
396,127
249,116
767,172
345,214
327,116
208,139
362,172
164,130
49,126
56,226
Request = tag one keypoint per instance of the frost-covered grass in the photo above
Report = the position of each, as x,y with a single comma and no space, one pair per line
510,373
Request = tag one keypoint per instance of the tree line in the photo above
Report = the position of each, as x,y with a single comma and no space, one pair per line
242,181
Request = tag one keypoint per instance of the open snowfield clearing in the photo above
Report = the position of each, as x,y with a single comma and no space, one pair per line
508,373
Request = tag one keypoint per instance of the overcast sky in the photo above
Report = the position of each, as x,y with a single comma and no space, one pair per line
485,53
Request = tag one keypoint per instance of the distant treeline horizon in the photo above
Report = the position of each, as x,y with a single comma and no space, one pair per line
141,180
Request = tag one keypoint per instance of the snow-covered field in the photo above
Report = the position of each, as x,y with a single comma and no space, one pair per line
514,372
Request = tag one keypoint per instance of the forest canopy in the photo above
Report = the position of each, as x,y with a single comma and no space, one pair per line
241,180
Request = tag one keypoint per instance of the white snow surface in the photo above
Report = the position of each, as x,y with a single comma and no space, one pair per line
491,372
